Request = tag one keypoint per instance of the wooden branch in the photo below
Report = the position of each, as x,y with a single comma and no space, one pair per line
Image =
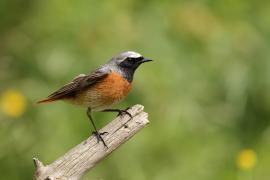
83,157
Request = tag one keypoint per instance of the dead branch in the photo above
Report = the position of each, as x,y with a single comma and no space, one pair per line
83,157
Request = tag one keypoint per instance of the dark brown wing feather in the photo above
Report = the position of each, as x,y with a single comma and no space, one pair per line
77,84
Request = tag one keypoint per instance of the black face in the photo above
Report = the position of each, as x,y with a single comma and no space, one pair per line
133,62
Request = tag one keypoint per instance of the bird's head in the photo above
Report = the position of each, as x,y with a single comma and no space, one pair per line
130,60
126,63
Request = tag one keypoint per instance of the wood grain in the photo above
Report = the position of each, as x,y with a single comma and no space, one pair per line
86,155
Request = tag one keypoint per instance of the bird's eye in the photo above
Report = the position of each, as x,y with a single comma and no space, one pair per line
140,58
129,59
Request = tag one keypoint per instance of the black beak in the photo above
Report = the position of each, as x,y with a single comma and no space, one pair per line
146,60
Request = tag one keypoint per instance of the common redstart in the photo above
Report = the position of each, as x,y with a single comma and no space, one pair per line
102,88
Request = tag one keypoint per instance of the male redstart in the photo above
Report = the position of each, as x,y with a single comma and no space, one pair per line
105,86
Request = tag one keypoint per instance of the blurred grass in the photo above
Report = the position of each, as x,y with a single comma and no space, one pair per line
206,92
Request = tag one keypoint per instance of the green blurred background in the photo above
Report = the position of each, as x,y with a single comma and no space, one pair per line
207,92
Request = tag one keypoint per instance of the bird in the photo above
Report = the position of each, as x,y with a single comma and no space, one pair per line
102,88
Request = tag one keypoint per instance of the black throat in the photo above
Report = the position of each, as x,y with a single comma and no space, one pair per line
127,74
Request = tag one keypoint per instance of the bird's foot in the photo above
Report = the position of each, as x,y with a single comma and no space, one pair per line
99,137
122,112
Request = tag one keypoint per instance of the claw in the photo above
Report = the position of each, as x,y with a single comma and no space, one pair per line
122,112
99,137
104,133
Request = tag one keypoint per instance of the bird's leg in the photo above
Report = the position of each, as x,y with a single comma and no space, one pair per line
120,111
96,133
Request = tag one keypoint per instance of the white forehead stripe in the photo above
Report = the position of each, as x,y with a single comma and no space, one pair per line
133,54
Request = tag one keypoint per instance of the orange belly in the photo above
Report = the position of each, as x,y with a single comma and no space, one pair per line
105,93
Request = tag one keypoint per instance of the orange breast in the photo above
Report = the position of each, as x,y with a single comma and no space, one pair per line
105,93
113,88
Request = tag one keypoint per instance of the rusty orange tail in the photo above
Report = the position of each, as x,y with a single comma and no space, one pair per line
47,100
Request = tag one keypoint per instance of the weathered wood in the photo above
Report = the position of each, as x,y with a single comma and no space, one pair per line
80,159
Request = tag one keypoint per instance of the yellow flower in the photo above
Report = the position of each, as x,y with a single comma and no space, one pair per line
13,103
246,159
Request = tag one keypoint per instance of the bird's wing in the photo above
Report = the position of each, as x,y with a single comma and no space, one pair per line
79,83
